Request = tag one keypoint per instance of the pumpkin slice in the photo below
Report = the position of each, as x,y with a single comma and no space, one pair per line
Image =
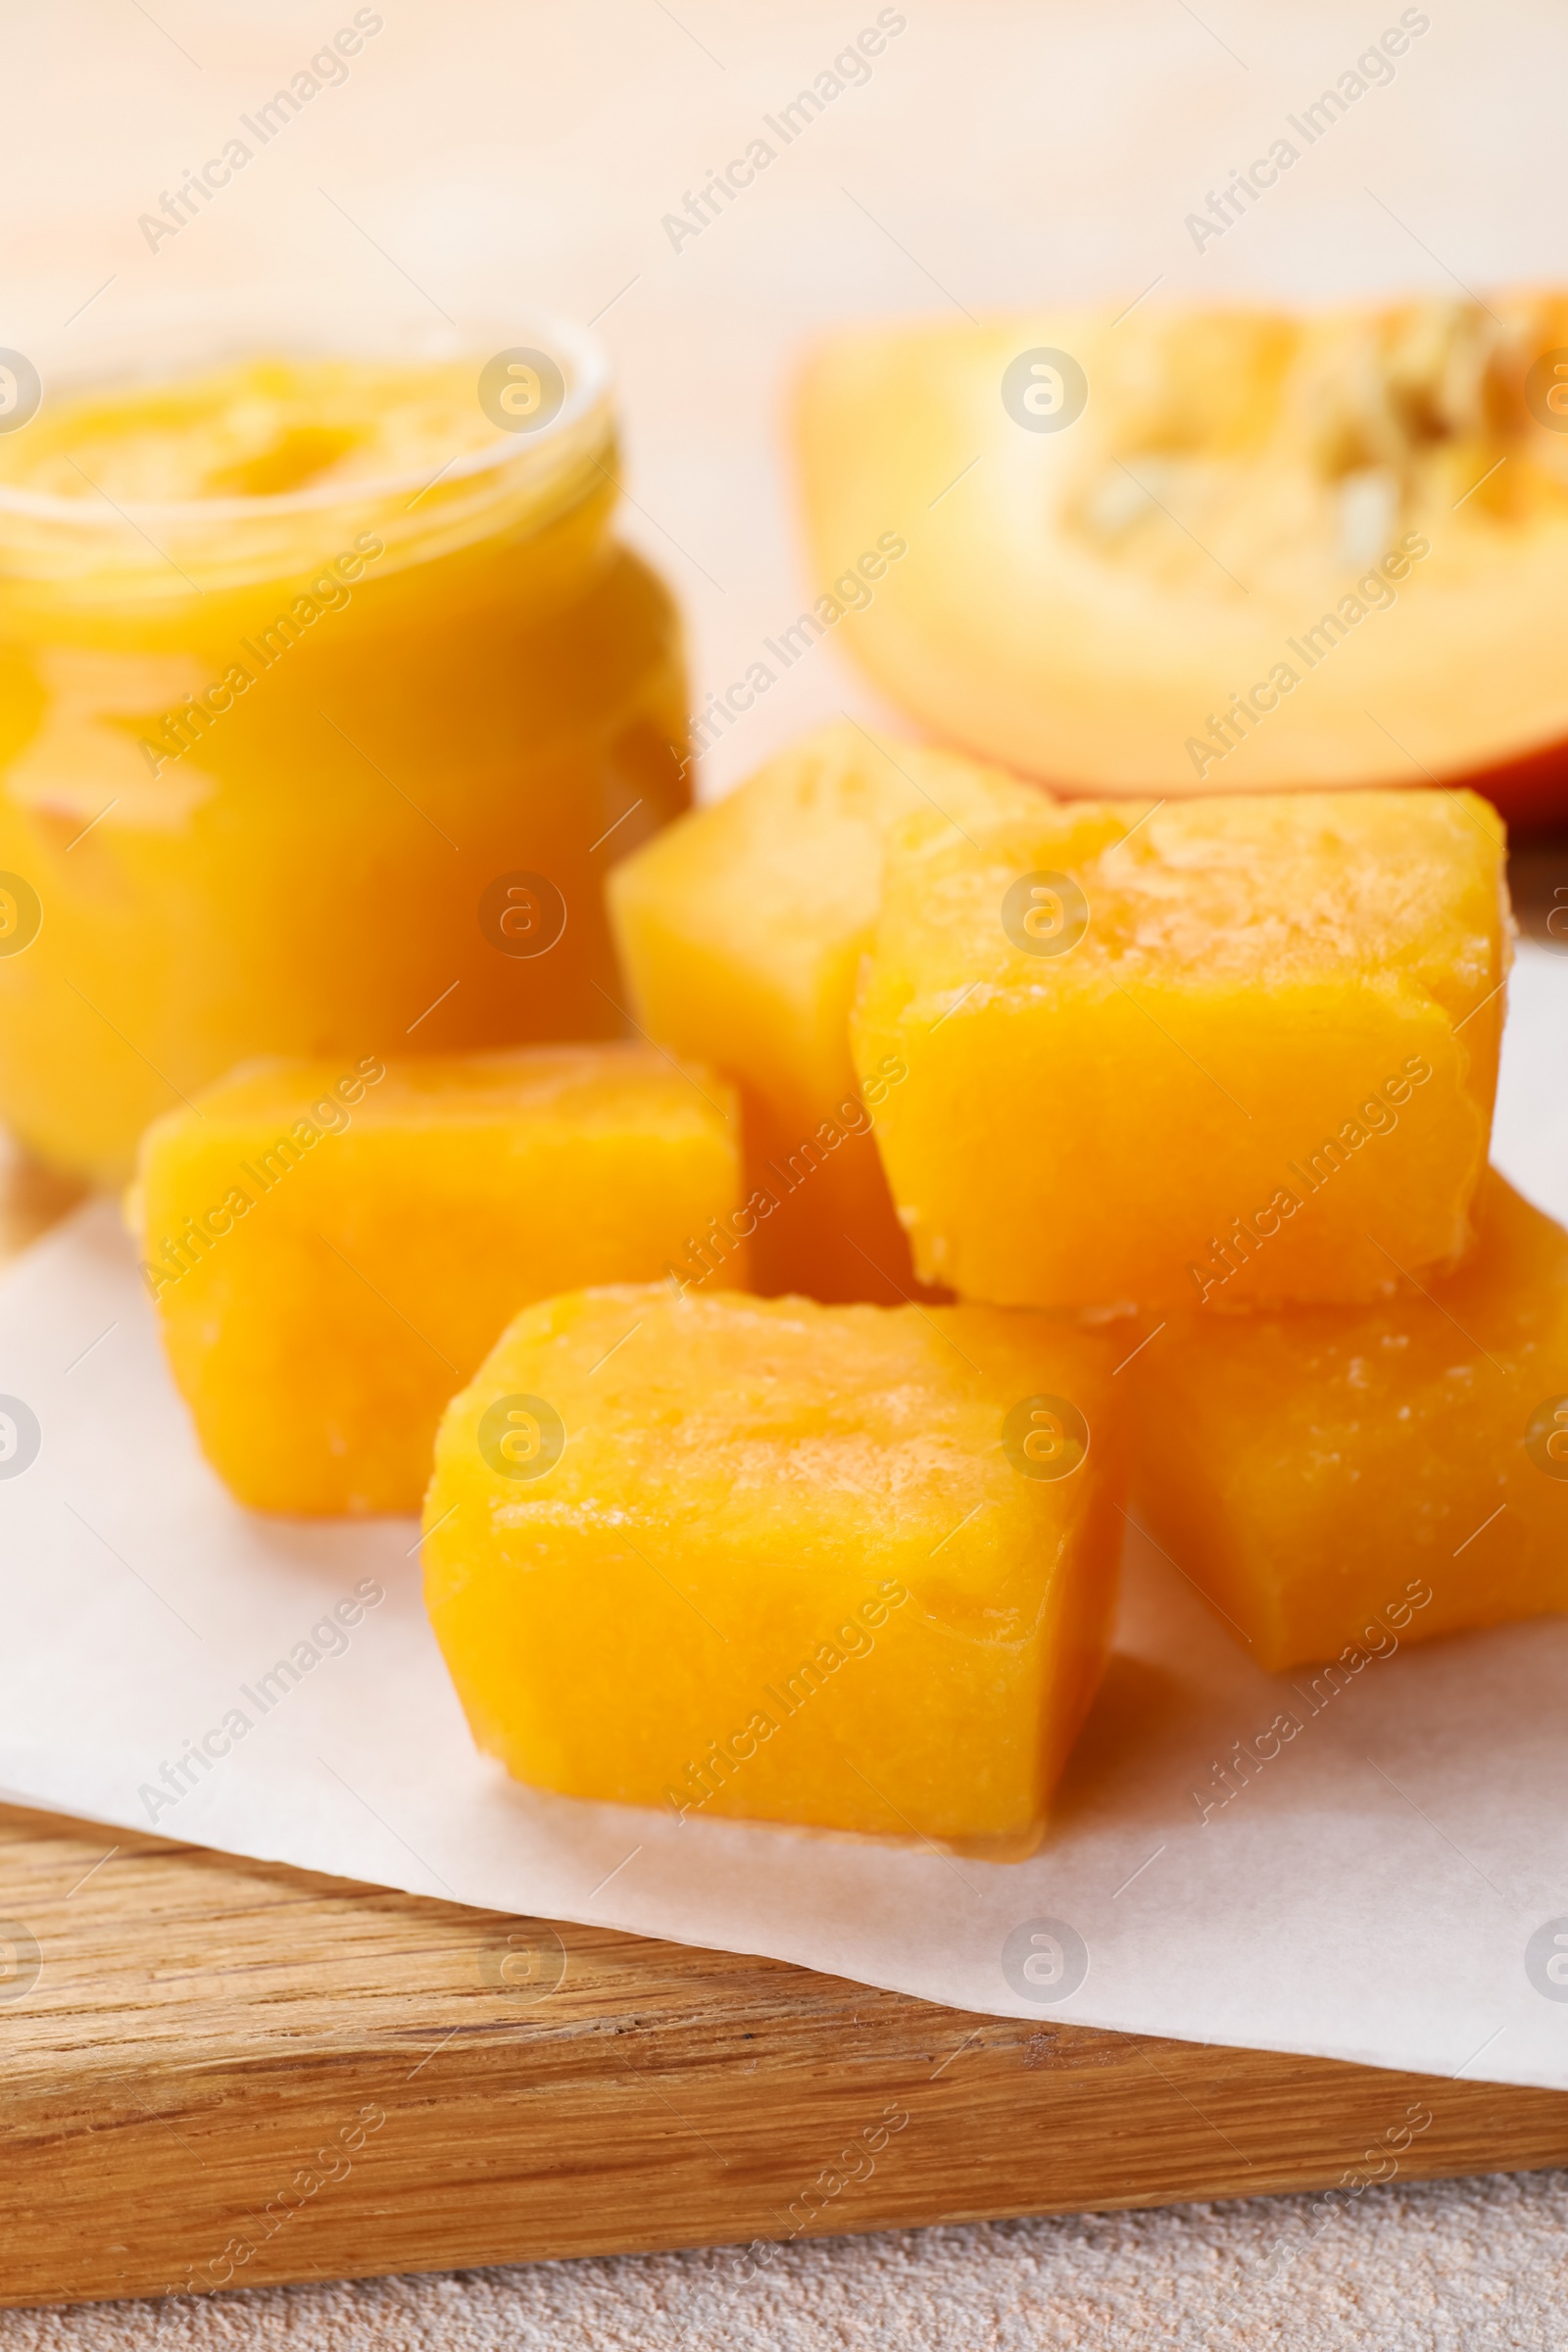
1191,551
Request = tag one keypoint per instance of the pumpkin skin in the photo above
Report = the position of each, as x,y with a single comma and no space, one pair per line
1270,551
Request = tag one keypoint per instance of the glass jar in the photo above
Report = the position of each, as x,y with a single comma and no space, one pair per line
334,770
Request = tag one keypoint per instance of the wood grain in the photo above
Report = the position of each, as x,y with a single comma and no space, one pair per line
195,2065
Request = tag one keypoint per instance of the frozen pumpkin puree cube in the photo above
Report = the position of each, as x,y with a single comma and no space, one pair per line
334,1249
844,1565
1218,1051
740,930
1339,1476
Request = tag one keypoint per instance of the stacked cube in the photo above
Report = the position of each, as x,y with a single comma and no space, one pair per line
1072,1145
1219,1074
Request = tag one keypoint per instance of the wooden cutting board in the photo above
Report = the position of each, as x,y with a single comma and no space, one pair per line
222,2074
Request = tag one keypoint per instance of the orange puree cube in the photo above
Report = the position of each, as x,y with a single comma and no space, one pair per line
1220,1050
858,1562
741,930
333,1248
1359,1476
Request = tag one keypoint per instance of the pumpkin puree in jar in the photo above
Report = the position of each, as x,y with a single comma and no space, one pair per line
325,704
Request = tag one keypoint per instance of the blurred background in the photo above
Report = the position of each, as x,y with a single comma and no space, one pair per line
996,155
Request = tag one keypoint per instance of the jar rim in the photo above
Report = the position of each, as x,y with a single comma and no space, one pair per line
590,383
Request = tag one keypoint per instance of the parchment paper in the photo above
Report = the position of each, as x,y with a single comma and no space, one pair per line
1372,1894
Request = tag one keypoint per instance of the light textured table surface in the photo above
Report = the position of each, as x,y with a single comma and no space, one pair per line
1447,2265
1002,153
